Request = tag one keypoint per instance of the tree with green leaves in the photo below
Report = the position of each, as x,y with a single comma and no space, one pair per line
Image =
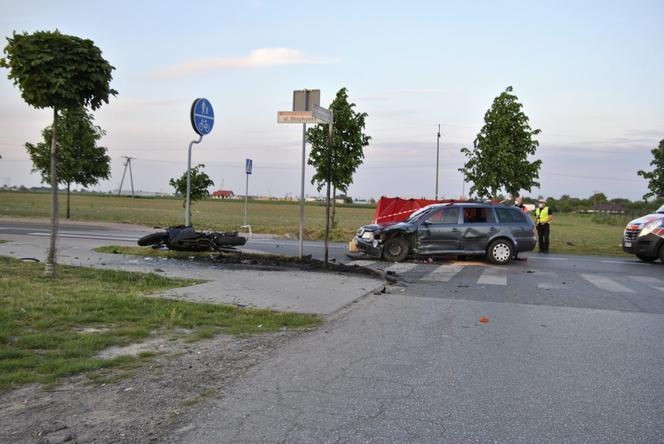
499,158
656,176
200,182
57,71
80,160
348,142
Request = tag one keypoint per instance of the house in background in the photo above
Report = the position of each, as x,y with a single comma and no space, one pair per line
223,194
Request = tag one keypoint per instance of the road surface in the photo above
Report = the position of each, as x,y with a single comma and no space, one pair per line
552,349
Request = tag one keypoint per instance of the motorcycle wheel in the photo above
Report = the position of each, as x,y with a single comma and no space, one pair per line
153,239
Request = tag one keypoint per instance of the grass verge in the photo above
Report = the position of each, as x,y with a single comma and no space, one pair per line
54,328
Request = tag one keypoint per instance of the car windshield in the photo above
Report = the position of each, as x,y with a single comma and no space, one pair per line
660,210
416,215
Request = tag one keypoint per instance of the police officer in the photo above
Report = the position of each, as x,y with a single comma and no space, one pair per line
543,217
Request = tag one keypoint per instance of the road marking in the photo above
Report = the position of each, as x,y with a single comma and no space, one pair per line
650,281
624,262
401,267
362,263
538,258
493,276
442,274
604,283
552,286
76,236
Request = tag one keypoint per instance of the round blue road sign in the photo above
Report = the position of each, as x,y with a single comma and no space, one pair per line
202,116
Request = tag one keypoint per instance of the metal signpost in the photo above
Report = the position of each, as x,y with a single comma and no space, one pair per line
437,159
306,109
202,120
248,167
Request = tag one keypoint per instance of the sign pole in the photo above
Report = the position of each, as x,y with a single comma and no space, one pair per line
304,147
437,159
246,196
202,120
329,180
187,215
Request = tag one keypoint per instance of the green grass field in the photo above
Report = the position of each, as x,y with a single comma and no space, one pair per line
570,233
53,328
282,218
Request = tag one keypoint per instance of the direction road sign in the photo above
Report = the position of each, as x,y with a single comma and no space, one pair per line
202,116
249,165
321,114
298,117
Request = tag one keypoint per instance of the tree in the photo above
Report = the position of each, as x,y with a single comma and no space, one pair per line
499,158
655,177
200,182
57,71
80,160
348,142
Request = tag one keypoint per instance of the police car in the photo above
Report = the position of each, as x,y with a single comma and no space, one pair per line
644,237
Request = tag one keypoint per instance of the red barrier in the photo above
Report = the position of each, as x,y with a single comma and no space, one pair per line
395,209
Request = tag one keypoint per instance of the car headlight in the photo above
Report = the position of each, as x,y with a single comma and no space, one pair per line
368,235
648,228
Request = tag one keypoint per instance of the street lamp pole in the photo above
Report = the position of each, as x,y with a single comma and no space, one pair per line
437,159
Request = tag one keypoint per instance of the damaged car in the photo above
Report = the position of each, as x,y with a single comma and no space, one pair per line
497,231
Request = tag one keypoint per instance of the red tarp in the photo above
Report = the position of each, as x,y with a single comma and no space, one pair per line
395,209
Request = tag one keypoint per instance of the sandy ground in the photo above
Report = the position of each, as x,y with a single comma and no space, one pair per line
149,403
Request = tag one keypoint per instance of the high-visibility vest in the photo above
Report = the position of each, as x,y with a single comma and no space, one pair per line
542,215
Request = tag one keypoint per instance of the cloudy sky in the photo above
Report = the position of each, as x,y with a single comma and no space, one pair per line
589,76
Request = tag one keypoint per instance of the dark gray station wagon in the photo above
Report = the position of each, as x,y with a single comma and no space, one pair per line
480,229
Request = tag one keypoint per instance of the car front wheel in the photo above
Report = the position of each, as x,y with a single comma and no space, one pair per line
500,252
646,258
395,250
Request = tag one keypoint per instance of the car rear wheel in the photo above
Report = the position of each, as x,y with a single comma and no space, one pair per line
395,250
646,258
500,252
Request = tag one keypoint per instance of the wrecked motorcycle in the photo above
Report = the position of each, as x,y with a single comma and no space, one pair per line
185,238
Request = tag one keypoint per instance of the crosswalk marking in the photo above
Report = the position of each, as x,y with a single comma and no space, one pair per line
362,263
655,283
442,274
604,283
400,267
493,276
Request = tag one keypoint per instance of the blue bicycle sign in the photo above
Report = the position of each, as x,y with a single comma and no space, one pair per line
202,116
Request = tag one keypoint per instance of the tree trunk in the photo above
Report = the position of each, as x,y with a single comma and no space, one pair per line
50,258
68,198
334,207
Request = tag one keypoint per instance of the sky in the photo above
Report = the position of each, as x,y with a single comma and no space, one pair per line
589,75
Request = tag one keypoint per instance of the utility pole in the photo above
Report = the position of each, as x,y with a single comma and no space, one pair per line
437,158
127,163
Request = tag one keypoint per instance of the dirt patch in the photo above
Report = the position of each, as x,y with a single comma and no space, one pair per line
155,399
274,262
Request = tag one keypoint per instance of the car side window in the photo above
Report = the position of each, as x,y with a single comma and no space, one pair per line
507,216
445,216
478,215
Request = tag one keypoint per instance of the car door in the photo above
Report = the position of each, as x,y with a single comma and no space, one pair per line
478,226
439,232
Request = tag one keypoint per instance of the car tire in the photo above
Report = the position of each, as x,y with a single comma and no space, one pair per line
500,252
153,239
395,250
646,258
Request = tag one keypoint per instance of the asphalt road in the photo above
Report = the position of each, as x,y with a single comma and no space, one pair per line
551,349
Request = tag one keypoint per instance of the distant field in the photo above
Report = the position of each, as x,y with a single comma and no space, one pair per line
281,218
570,233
